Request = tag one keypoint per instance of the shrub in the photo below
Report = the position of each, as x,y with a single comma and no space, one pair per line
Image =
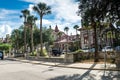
33,54
79,50
44,52
5,47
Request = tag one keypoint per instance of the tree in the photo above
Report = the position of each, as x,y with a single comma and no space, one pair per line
66,29
25,13
42,9
5,47
17,38
94,11
86,9
77,35
76,27
31,21
47,35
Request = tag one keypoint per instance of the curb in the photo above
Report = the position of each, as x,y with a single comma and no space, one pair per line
57,65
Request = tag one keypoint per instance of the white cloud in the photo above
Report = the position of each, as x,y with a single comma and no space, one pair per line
30,8
9,20
66,10
5,29
4,13
44,22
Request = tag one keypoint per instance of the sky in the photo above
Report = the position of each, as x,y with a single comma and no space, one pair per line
63,14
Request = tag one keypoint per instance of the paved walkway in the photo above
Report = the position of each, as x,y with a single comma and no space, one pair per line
78,65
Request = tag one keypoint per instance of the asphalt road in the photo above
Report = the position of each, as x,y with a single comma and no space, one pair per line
14,70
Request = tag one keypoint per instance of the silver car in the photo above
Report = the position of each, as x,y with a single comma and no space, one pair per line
107,48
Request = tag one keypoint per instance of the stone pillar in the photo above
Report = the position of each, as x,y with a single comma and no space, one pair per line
69,58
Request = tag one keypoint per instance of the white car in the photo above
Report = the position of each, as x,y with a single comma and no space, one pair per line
107,48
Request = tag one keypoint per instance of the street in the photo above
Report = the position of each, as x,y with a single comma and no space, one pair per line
15,70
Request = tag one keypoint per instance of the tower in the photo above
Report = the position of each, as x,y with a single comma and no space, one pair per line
56,29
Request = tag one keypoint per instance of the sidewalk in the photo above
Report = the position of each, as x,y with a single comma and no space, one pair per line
78,65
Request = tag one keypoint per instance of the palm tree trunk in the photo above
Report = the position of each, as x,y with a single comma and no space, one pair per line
76,33
41,43
25,40
32,44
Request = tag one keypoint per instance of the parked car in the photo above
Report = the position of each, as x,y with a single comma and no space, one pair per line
56,52
117,48
1,55
107,48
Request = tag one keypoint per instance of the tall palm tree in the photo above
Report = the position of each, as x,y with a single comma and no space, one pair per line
66,29
76,27
25,14
77,36
31,21
42,9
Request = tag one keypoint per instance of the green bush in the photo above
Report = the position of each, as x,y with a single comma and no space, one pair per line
33,54
44,52
5,47
79,50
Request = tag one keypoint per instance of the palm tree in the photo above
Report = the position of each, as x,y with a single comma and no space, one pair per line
31,21
25,13
77,36
42,9
66,29
76,27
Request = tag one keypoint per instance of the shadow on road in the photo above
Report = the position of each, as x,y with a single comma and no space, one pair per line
77,76
111,76
87,76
